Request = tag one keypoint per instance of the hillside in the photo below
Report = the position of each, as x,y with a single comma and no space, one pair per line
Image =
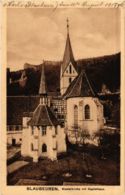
100,70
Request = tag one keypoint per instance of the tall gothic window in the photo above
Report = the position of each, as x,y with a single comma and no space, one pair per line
87,112
76,116
44,148
43,130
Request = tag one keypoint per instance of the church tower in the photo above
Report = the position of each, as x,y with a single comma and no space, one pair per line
68,66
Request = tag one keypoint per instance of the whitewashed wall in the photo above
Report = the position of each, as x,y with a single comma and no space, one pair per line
96,120
55,143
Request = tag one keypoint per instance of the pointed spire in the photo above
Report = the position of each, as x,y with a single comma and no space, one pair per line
42,88
68,53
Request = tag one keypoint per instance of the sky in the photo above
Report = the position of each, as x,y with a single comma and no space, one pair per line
37,34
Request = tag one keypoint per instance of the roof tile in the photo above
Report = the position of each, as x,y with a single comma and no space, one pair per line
43,116
80,87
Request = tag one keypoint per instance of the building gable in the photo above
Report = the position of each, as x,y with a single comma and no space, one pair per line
70,70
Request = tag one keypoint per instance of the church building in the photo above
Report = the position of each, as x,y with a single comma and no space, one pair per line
87,111
68,66
84,111
47,119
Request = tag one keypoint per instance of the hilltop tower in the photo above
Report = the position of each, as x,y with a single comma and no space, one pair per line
68,66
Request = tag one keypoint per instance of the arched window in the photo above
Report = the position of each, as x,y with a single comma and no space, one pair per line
87,112
70,69
76,116
44,148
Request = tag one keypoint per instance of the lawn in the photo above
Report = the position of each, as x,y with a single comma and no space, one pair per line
71,167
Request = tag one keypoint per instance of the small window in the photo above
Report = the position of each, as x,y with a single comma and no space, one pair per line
70,80
55,110
44,148
70,69
32,148
43,130
20,139
87,112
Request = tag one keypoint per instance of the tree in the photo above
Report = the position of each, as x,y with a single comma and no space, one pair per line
80,136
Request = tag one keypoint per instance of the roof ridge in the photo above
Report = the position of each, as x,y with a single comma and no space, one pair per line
38,112
48,116
36,108
82,72
89,84
80,87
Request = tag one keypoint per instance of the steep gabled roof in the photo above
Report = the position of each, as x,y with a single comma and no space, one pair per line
68,53
80,87
43,116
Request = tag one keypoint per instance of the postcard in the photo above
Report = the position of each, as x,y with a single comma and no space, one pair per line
62,100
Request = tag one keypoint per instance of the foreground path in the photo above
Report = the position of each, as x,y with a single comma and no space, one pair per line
15,166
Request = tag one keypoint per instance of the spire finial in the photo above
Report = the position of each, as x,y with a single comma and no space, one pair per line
67,25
